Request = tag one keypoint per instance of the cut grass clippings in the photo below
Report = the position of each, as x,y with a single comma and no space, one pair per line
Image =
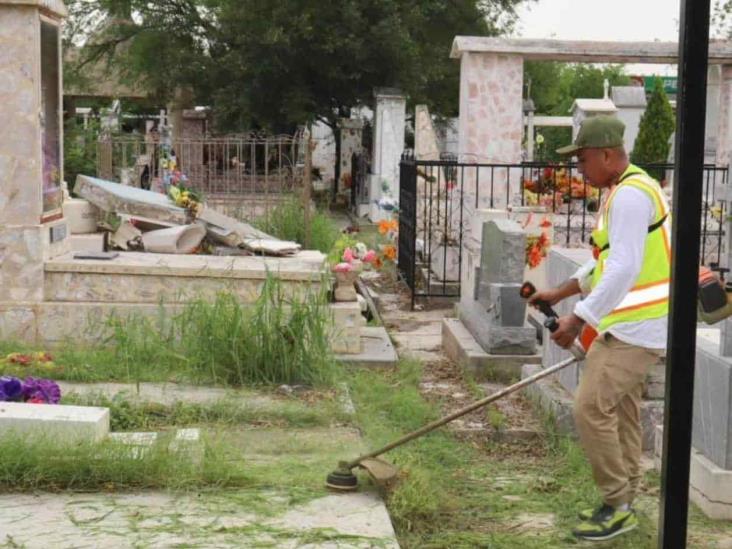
459,494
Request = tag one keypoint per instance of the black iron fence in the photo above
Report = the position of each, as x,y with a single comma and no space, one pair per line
439,201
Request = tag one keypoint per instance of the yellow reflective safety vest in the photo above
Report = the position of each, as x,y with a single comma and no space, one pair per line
648,298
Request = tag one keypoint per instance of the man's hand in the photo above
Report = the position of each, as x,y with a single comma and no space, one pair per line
569,328
552,297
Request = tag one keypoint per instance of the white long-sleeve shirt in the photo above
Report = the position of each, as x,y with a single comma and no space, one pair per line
631,213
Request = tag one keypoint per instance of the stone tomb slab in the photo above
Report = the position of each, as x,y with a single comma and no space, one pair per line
460,346
286,505
377,350
67,423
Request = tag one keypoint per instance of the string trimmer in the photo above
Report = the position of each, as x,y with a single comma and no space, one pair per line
384,473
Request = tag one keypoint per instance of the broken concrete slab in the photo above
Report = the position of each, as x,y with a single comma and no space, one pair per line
113,197
126,237
183,239
231,232
377,350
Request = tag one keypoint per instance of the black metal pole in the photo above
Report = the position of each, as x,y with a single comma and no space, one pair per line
680,361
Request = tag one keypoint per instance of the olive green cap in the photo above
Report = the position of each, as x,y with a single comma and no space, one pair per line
596,132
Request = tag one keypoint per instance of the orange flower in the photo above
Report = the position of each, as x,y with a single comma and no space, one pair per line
545,224
384,226
378,263
543,240
390,252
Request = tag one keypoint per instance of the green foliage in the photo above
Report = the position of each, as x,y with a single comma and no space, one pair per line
656,127
80,150
130,414
335,254
282,63
278,339
28,464
287,221
555,86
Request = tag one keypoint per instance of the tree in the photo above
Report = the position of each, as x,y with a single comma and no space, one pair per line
656,126
554,86
279,63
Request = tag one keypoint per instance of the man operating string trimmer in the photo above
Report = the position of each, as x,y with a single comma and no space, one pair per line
627,288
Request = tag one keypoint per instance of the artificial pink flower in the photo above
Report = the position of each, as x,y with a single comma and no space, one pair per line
348,255
343,268
369,257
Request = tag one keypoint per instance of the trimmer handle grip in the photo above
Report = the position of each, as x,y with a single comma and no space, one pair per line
527,290
551,324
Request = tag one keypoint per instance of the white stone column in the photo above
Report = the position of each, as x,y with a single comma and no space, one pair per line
26,231
388,146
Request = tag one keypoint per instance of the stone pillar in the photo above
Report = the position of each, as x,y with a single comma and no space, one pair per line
351,135
491,108
32,228
388,146
425,137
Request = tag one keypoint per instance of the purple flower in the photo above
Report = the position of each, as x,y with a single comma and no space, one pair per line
41,391
10,389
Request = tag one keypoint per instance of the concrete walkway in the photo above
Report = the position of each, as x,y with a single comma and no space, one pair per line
217,519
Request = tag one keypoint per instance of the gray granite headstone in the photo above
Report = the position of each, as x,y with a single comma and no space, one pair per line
712,423
503,256
497,318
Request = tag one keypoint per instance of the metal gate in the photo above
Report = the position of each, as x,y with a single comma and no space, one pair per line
439,198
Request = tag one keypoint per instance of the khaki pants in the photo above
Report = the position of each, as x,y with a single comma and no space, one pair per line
607,415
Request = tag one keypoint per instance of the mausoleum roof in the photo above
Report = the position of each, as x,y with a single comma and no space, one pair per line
593,105
720,51
629,96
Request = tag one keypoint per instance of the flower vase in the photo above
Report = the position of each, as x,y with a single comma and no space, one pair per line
345,289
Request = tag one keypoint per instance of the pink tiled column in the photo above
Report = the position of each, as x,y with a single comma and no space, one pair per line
491,107
490,132
491,123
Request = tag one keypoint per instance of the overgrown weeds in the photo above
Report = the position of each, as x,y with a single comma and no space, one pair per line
280,339
37,463
287,221
129,414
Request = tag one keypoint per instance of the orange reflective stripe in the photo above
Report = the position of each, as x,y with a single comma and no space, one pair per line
640,306
650,284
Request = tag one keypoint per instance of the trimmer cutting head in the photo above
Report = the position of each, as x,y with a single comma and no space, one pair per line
342,479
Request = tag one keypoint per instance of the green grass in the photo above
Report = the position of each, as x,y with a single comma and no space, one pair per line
453,492
129,414
28,464
278,339
287,221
